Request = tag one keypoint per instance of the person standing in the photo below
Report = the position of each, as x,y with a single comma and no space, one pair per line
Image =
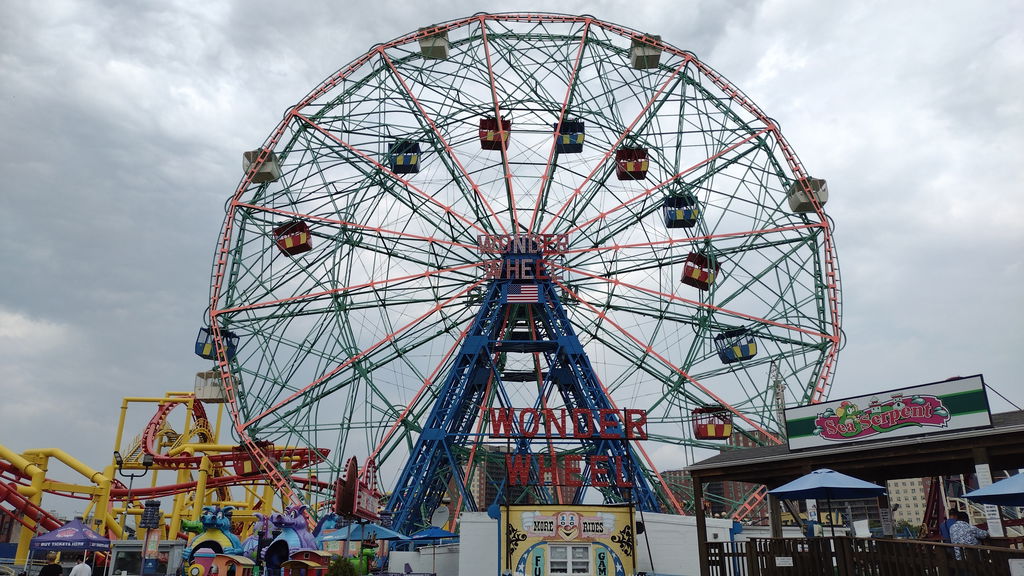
81,568
52,568
946,523
962,532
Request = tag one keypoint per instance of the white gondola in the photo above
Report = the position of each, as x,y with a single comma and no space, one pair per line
800,201
269,171
643,55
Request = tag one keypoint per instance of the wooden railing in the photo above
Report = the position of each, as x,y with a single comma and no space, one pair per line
844,556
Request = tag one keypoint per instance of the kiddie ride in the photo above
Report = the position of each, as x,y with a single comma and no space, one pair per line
282,541
216,490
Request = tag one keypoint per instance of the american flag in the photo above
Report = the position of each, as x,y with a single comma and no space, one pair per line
523,293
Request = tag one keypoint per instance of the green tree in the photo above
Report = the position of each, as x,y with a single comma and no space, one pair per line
341,567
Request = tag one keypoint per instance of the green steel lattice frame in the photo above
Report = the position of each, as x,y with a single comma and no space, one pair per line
340,346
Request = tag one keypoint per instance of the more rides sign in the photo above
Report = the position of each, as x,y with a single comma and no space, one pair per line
552,539
954,404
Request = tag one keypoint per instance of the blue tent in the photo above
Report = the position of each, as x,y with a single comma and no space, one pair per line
72,536
1006,492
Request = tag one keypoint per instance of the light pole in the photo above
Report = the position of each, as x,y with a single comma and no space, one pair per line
147,461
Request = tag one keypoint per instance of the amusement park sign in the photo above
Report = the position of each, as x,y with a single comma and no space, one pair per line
954,404
539,250
600,470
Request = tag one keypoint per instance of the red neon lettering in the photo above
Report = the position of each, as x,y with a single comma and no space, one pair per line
620,475
597,471
528,422
492,269
518,468
583,423
557,423
501,421
608,420
551,470
571,465
636,424
541,272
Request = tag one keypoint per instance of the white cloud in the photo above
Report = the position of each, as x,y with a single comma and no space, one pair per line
25,337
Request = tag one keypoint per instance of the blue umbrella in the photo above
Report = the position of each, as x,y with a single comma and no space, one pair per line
827,484
433,533
364,532
1006,492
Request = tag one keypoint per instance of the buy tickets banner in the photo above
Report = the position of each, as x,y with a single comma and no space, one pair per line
562,539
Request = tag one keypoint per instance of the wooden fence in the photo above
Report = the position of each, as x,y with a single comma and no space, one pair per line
845,556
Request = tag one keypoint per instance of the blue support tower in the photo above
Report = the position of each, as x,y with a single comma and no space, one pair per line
520,314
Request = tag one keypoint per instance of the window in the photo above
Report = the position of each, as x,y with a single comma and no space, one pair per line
567,559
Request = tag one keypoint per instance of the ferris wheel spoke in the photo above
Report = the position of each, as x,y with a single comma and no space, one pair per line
656,355
726,137
377,400
348,362
688,302
363,286
363,192
607,154
449,151
352,225
366,157
501,129
421,393
648,192
547,176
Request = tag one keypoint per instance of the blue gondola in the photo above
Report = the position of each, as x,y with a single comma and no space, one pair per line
681,211
569,136
205,347
404,157
736,345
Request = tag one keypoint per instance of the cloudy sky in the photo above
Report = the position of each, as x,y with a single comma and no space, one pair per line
123,125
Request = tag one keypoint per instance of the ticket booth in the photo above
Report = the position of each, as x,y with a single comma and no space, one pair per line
126,557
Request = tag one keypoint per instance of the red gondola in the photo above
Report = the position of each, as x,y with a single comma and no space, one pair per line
293,238
700,271
631,163
712,423
491,138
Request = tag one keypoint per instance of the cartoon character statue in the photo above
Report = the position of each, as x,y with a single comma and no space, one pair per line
366,561
261,533
327,524
294,535
213,536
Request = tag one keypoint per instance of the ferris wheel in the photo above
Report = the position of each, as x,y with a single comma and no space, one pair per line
519,210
